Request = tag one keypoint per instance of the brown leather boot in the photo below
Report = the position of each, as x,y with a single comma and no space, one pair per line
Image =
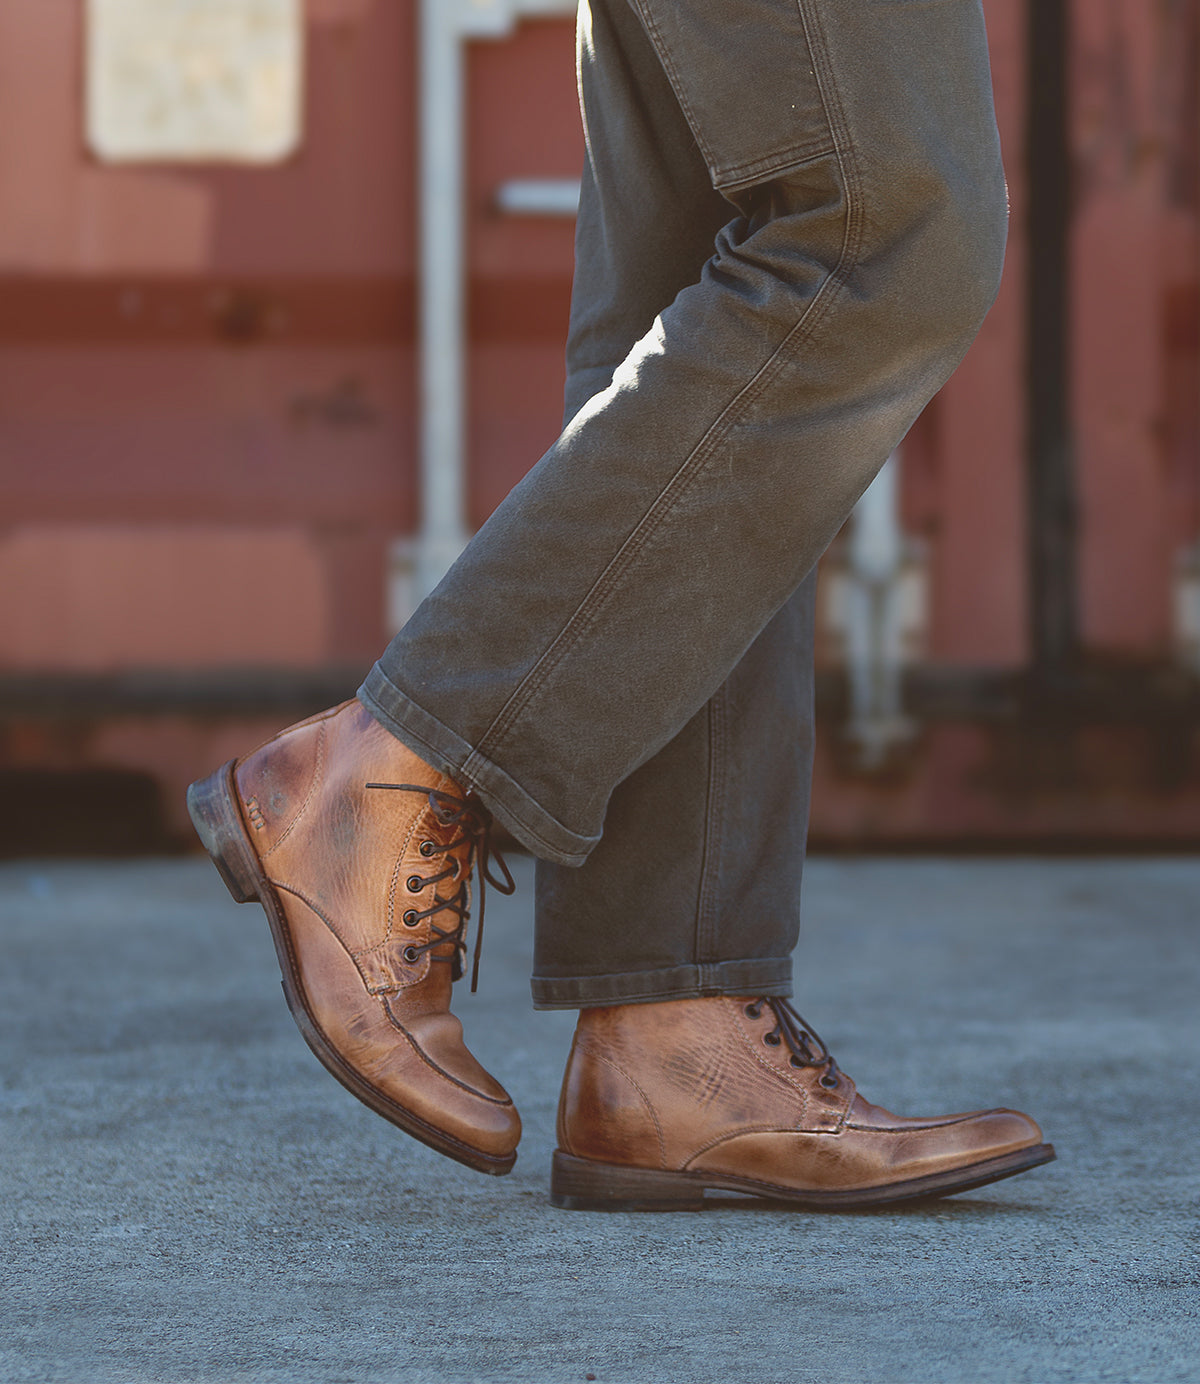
360,854
661,1101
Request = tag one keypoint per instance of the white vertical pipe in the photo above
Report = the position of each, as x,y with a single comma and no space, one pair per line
875,540
417,567
443,531
875,619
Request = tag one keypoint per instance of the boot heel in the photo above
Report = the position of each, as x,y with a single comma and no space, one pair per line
579,1184
212,806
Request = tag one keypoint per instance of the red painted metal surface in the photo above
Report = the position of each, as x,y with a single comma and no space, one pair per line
516,358
208,410
225,350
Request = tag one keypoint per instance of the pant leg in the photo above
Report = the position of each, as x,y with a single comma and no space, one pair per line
694,887
615,589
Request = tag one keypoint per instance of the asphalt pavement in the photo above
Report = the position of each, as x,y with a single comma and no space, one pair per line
185,1195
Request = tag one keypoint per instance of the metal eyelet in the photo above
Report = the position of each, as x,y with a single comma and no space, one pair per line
829,1083
427,848
752,1011
796,1061
772,1038
411,955
410,918
414,884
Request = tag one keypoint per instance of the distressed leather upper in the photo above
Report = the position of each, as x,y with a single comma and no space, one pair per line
696,1085
347,866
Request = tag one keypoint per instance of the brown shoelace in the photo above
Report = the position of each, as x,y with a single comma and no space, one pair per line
807,1047
474,822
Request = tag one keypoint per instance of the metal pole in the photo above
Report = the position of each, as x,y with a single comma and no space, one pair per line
1052,500
417,567
443,531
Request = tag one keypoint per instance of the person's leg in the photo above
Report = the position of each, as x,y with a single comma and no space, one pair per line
612,593
615,591
694,887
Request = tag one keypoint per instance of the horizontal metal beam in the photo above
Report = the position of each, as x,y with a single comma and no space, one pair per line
1103,695
539,197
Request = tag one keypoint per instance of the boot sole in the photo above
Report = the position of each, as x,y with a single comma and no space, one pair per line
213,807
581,1184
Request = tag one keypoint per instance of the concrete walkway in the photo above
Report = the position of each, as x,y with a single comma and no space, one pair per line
187,1196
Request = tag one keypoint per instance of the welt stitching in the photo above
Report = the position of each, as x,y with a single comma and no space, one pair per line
692,467
318,774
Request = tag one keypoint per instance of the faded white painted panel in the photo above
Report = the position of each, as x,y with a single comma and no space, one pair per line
194,79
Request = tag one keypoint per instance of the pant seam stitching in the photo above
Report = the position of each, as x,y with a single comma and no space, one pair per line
786,159
710,868
660,510
692,467
728,177
713,972
472,758
683,965
664,56
548,999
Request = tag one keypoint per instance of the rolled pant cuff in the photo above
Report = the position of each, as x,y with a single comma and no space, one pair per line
536,829
756,976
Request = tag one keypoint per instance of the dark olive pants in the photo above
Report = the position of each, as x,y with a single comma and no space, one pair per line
792,225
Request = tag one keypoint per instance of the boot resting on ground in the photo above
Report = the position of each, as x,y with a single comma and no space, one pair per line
661,1101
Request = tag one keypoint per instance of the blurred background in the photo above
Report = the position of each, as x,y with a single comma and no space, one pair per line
283,294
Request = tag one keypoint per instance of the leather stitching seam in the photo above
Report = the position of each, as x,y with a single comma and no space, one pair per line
754,1129
389,989
786,1077
318,774
441,1071
494,1100
612,1066
938,1124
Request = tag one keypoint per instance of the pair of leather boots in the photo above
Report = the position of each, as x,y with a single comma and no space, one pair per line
361,855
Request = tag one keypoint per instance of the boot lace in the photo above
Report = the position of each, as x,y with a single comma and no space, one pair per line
807,1047
473,825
